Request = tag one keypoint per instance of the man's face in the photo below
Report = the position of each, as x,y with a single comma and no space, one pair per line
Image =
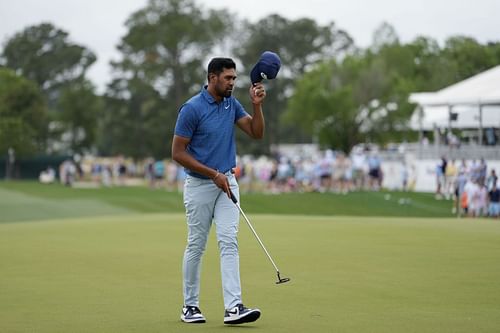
224,82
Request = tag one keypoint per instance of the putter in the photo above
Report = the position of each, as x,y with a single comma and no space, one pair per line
280,279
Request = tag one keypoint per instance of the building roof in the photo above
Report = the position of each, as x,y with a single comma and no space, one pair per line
480,89
465,98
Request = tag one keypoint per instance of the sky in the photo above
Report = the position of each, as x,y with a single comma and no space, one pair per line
99,24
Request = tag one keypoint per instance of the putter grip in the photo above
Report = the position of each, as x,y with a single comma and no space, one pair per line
233,197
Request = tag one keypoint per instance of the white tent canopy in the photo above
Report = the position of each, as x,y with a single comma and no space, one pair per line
480,89
475,101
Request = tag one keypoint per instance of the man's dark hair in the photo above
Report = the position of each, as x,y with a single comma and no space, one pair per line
217,65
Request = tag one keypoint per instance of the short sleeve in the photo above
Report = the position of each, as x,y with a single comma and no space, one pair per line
239,111
186,121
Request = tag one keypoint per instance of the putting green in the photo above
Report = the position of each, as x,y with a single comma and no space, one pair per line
122,274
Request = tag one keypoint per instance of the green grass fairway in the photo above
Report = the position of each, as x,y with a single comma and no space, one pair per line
122,274
27,201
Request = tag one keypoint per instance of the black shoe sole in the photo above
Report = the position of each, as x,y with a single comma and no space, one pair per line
251,317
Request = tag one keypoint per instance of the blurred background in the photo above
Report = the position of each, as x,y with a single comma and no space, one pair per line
370,96
382,129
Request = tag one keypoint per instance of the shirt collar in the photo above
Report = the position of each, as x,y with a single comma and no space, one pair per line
210,99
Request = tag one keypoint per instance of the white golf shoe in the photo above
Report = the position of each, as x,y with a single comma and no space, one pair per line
240,314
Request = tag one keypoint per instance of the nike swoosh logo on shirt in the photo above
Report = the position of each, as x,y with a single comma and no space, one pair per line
226,107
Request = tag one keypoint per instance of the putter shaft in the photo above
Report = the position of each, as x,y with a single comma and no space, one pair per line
280,279
258,239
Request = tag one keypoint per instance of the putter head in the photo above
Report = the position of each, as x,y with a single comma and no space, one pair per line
282,280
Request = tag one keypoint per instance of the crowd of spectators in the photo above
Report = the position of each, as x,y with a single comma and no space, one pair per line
327,171
473,189
470,185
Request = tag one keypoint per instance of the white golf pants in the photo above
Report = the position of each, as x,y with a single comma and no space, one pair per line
204,203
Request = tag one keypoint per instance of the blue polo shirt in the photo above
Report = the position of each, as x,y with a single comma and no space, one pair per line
210,127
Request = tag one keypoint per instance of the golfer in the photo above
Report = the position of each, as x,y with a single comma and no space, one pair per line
204,144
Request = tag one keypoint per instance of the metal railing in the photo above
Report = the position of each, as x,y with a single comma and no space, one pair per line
429,152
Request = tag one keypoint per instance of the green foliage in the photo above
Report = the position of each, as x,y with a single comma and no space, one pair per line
23,115
44,54
468,56
305,44
327,91
432,71
136,126
385,34
79,110
364,97
322,106
163,55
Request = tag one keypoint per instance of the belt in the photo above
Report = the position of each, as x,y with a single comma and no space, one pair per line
229,172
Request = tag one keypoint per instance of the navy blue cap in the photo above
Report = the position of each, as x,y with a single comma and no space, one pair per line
267,67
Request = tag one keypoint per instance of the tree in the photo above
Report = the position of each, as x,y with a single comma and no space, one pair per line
136,126
300,44
359,99
364,97
384,35
23,115
432,71
469,56
322,104
494,48
163,52
44,54
79,108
